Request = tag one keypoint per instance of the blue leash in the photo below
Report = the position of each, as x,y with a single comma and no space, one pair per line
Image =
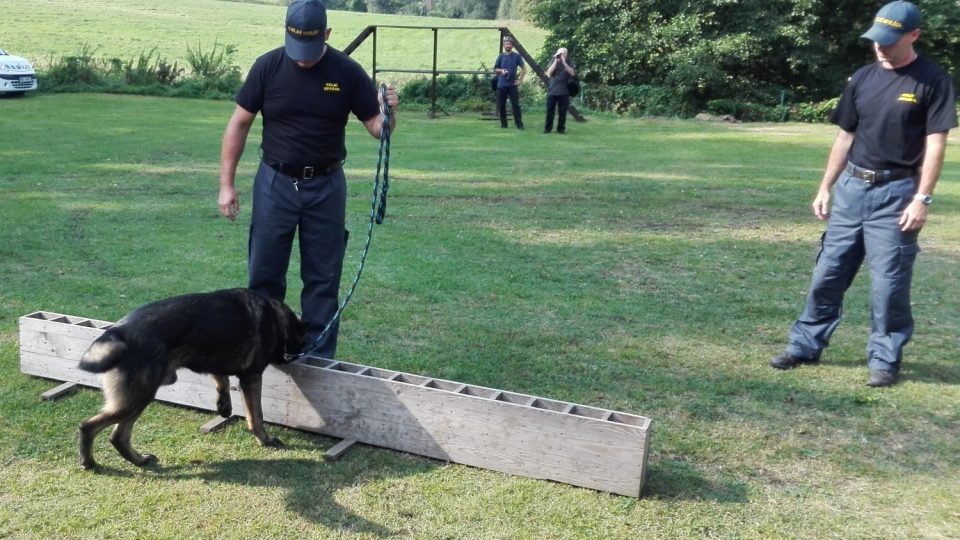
378,209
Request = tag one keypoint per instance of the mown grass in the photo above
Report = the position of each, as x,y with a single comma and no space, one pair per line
125,28
648,266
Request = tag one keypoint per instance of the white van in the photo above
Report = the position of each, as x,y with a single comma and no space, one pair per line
16,74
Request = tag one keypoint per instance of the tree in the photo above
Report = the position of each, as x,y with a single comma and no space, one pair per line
385,6
695,51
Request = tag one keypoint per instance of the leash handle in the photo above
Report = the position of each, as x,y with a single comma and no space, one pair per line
385,106
381,211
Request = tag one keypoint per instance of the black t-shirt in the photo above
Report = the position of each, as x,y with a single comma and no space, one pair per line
891,111
305,111
557,83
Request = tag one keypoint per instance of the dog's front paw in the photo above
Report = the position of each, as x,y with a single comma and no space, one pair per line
88,463
224,408
272,442
148,459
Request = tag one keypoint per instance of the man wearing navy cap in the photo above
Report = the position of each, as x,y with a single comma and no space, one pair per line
304,92
894,116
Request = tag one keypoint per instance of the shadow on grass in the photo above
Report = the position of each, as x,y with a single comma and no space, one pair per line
310,486
923,371
931,372
675,480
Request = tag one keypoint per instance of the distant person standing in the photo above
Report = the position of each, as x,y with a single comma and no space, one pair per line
560,73
305,92
510,71
894,116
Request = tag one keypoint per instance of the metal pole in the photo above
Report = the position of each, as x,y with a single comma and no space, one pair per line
374,55
433,97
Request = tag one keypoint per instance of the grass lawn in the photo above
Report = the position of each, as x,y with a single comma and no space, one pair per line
51,29
647,266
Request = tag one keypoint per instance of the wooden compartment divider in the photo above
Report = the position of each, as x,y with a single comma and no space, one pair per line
483,427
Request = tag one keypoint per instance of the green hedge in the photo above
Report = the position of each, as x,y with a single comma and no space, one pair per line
211,74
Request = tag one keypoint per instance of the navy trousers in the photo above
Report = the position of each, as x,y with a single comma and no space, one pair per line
315,208
863,226
513,93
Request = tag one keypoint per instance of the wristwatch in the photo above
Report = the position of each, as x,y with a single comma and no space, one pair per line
924,198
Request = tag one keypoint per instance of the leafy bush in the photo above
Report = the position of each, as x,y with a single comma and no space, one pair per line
818,112
217,63
80,70
214,75
633,100
146,70
454,92
748,112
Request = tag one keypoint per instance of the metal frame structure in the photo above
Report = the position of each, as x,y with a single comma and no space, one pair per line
503,32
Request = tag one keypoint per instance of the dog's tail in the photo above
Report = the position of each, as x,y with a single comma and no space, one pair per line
104,353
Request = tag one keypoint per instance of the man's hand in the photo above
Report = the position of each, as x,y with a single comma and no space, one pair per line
229,203
914,217
392,97
821,205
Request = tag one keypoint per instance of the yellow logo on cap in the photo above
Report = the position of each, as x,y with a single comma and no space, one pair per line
889,22
331,87
303,33
908,97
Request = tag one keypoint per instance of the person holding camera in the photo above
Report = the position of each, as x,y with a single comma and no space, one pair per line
507,66
560,72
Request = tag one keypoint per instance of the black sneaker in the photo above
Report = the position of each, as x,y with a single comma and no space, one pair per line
881,377
789,361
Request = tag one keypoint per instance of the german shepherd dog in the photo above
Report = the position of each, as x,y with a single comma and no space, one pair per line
229,332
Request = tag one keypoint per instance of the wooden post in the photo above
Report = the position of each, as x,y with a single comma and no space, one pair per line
58,392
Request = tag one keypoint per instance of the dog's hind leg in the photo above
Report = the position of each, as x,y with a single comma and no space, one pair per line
224,406
120,438
252,386
89,429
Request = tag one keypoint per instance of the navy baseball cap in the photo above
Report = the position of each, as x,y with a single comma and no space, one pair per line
305,30
892,22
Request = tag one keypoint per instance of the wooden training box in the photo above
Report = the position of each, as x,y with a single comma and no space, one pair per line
482,427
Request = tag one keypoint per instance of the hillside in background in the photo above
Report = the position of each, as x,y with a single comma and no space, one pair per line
125,28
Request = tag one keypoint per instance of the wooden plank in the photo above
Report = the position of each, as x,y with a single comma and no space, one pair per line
215,424
472,425
339,449
58,392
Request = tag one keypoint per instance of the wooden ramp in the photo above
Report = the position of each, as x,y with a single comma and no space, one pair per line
482,427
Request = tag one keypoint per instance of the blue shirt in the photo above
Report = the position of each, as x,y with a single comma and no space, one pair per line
511,62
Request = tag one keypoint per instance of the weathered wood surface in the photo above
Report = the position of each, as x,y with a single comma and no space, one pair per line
483,427
215,424
339,449
58,392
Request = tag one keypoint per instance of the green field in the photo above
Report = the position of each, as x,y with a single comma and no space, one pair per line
50,29
647,266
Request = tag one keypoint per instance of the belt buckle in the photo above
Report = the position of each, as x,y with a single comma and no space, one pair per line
307,173
869,177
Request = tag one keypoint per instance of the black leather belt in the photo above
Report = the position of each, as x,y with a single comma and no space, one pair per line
306,172
879,177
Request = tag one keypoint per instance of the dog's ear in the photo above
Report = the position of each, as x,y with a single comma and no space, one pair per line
291,327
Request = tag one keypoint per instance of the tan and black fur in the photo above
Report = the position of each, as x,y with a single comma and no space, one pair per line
229,332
